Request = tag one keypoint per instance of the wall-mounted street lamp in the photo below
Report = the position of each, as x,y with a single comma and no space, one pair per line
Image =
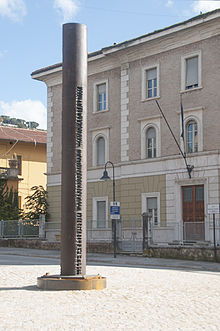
106,177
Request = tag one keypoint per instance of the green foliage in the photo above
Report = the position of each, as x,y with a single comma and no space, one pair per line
19,123
5,119
32,125
8,202
36,203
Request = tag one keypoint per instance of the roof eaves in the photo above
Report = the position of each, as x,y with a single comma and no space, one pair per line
58,66
23,141
52,67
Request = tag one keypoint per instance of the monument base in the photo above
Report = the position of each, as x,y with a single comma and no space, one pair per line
63,283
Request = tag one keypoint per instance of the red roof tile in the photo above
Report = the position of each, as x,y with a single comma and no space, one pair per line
24,135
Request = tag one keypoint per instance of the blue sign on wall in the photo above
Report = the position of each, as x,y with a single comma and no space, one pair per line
115,210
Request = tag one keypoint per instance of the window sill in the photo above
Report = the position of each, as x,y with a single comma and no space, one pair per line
150,99
188,154
100,111
150,158
192,89
95,166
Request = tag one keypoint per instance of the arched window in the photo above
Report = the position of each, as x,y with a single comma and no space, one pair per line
100,143
191,137
151,143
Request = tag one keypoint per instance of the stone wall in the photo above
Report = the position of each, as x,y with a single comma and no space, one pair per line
29,243
183,253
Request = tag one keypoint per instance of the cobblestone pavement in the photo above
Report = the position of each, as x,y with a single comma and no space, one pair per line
135,299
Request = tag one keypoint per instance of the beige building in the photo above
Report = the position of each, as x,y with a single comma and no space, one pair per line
29,148
125,126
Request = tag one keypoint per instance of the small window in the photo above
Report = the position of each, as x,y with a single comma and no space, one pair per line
191,137
151,81
151,142
199,193
187,194
100,147
150,138
19,164
192,79
100,151
191,71
101,214
101,97
152,210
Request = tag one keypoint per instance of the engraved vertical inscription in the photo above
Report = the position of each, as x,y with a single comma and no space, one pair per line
73,189
78,179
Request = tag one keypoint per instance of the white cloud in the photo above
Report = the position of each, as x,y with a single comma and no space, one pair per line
29,110
169,3
67,8
13,9
205,6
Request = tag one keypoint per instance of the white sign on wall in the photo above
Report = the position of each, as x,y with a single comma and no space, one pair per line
213,208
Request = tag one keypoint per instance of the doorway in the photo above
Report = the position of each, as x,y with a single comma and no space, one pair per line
193,213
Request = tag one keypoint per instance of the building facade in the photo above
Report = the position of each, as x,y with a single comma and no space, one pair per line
29,148
178,65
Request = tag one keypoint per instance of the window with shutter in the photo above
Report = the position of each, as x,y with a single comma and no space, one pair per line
100,151
101,214
152,209
192,72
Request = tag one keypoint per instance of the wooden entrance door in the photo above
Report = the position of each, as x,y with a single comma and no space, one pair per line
193,213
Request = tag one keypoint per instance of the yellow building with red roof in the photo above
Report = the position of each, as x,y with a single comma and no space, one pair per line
29,147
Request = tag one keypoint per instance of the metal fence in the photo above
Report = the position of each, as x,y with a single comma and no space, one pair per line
132,235
15,228
23,228
194,231
202,231
136,235
214,229
129,234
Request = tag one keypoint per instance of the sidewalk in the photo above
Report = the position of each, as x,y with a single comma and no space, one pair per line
120,260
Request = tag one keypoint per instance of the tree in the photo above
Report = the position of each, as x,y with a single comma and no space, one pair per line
8,202
36,203
32,125
21,123
13,121
18,122
5,119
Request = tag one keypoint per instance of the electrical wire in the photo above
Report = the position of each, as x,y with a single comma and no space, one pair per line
5,154
17,140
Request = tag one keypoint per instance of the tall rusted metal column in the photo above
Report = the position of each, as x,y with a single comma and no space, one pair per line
73,200
74,103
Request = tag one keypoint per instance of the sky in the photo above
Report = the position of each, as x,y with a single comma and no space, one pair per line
31,39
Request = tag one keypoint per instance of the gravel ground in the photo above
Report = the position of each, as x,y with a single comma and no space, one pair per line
135,299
